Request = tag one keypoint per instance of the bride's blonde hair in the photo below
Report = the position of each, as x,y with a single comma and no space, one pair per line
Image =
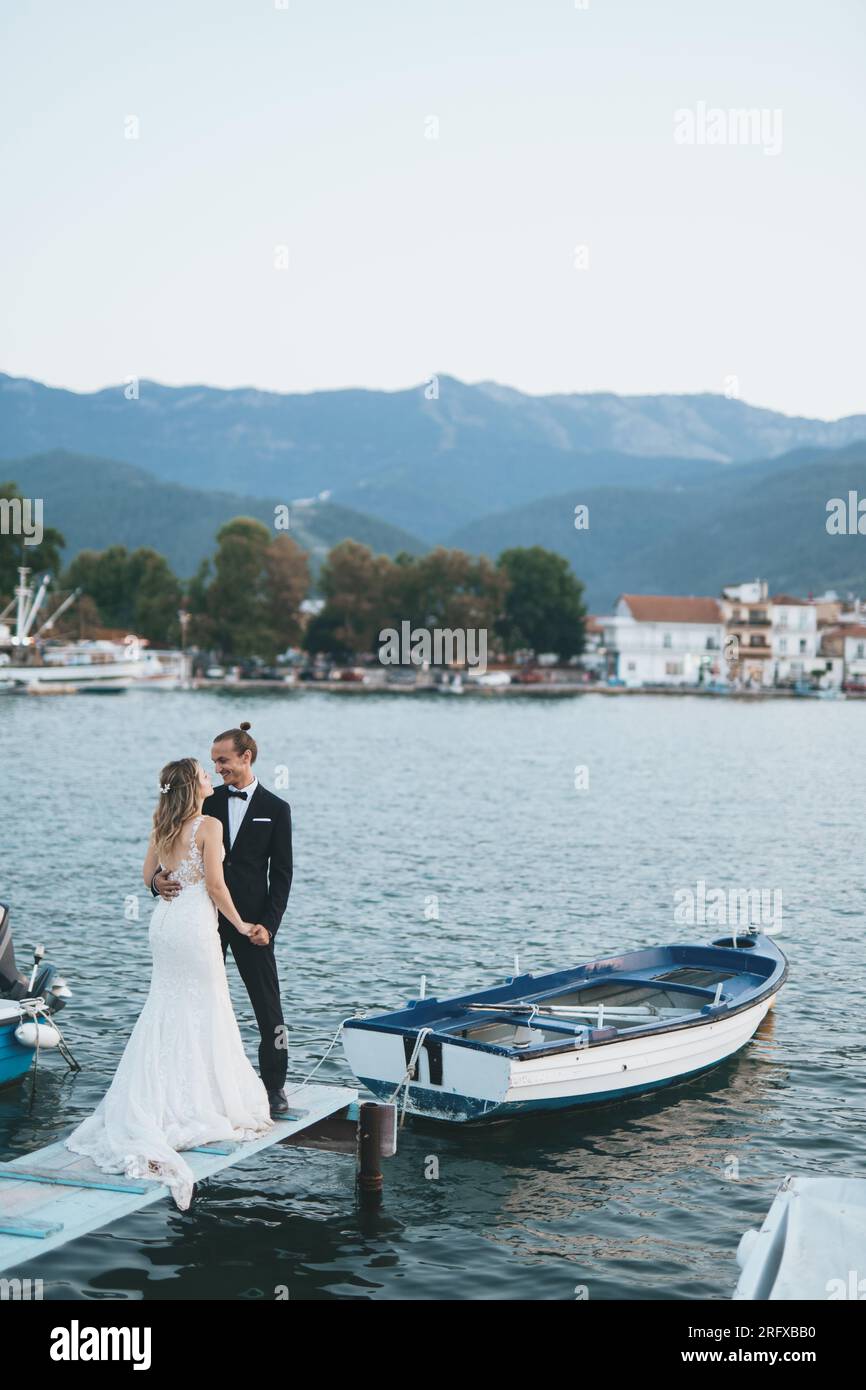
178,799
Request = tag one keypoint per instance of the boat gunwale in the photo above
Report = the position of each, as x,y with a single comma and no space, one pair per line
531,1052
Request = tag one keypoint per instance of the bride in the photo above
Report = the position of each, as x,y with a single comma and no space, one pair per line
184,1078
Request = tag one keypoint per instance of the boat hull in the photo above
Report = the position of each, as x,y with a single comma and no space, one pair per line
592,1034
478,1085
811,1245
433,1105
15,1060
118,675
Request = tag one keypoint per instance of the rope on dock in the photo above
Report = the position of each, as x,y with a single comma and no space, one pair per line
359,1013
403,1084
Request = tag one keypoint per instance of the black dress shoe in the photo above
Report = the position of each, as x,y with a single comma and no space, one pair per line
278,1103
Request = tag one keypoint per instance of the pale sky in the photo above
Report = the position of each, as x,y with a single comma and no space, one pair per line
306,127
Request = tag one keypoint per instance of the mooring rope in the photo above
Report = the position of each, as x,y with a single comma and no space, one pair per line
37,1011
359,1013
403,1084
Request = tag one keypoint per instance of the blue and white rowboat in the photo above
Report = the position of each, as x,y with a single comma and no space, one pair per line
27,1008
15,1058
595,1033
24,1027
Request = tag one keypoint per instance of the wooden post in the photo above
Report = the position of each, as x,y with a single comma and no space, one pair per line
369,1155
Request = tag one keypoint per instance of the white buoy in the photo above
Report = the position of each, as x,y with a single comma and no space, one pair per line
29,1034
423,993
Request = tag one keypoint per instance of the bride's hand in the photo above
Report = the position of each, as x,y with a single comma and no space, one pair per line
246,928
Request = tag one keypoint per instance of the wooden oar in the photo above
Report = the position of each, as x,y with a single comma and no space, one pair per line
640,1011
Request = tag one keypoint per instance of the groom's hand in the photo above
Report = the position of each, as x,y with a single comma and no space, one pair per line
166,886
260,936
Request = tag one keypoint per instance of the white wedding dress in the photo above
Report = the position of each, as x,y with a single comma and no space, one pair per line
184,1078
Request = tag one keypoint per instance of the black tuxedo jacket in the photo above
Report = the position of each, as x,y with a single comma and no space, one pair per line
258,867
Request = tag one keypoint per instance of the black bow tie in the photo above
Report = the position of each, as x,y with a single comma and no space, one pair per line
234,792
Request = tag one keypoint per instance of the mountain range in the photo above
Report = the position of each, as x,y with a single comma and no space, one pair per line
96,502
762,520
428,465
684,493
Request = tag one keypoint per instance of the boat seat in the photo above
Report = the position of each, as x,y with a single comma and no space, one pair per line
547,1025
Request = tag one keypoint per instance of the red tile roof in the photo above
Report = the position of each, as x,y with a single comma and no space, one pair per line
671,608
787,601
834,636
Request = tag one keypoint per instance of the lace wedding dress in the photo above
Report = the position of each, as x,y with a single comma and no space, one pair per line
184,1078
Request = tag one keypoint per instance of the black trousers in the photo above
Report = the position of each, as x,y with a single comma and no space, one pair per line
257,967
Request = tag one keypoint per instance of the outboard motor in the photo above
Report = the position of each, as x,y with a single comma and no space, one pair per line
12,985
45,982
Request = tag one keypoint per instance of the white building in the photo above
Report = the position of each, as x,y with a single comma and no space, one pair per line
660,639
593,658
845,648
795,639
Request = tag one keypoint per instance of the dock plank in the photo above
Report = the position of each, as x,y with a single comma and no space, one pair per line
56,1213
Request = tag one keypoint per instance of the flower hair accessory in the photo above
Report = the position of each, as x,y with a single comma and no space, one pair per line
165,787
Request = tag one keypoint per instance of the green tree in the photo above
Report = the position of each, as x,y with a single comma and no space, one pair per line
543,607
136,590
251,606
355,585
200,632
39,559
287,583
157,596
103,575
322,635
236,597
446,589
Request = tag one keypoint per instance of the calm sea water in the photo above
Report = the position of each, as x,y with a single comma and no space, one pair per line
397,801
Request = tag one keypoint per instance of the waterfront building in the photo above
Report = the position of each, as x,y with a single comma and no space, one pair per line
844,647
828,609
748,628
593,658
795,639
663,639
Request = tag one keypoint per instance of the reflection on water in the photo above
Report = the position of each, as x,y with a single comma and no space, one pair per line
441,837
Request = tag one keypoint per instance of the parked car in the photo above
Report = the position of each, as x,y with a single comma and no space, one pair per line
493,679
255,670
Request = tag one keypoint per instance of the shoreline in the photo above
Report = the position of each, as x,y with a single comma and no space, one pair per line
541,692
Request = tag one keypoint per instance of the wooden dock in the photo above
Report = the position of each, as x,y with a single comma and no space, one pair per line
52,1196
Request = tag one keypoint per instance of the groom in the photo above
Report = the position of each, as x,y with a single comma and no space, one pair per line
257,835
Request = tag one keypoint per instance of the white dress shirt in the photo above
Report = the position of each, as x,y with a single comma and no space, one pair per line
238,809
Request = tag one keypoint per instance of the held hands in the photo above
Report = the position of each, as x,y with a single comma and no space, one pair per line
258,935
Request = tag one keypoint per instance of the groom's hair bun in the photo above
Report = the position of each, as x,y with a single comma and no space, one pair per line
241,740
